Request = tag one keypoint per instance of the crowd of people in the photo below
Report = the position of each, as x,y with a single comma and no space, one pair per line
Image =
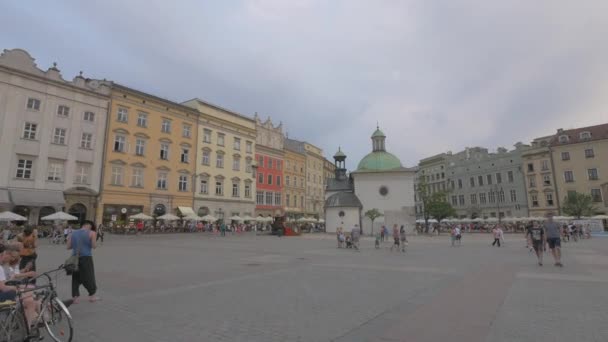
158,227
350,239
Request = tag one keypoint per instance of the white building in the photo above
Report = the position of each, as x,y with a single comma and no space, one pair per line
380,182
51,139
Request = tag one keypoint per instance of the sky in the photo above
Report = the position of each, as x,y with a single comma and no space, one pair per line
435,75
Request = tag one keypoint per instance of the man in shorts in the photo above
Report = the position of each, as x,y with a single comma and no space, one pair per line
552,234
536,236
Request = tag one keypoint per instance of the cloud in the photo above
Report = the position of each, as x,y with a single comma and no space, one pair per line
436,75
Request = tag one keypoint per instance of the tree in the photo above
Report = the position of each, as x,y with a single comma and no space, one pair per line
372,214
424,195
577,205
439,208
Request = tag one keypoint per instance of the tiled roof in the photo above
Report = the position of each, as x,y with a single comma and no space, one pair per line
598,132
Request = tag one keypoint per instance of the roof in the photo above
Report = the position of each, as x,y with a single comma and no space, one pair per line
228,111
343,200
378,133
598,132
335,184
339,154
294,145
379,161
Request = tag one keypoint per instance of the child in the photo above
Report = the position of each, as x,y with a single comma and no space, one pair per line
377,243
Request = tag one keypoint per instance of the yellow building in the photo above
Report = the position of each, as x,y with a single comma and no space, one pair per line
225,162
579,158
540,178
315,190
295,182
329,171
149,159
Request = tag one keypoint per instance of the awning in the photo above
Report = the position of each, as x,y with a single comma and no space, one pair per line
4,199
37,198
186,211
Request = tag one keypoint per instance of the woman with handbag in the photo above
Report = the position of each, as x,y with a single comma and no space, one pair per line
82,242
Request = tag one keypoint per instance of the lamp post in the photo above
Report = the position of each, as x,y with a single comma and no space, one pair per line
497,193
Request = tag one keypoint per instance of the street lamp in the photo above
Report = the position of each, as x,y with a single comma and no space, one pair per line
497,196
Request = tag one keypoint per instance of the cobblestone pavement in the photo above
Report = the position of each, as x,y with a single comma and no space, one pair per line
260,288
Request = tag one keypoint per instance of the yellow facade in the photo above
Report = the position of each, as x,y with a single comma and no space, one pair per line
315,190
225,162
540,179
150,156
295,183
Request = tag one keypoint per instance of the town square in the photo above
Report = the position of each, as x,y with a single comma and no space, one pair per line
303,170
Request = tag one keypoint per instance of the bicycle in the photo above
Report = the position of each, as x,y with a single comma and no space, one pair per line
52,316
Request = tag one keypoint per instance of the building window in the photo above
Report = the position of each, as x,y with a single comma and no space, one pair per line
236,163
498,178
89,116
235,190
278,180
295,201
549,198
269,198
220,139
117,172
277,198
501,196
530,167
206,157
219,188
596,195
260,178
29,131
270,163
544,166
482,198
269,180
568,176
119,143
161,181
480,180
472,182
140,147
279,165
461,200
33,104
532,182
63,111
204,187
534,200
207,136
122,115
492,197
142,119
185,156
249,147
510,176
287,180
186,131
287,204
460,184
59,136
247,191
248,165
585,135
261,161
182,184
86,141
473,198
219,161
82,174
454,200
237,144
489,179
166,126
589,153
24,169
513,196
137,178
259,198
302,202
592,174
164,151
546,180
565,155
563,139
55,173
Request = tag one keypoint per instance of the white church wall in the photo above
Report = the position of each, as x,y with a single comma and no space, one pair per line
333,220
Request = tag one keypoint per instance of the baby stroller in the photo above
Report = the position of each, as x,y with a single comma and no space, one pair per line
349,242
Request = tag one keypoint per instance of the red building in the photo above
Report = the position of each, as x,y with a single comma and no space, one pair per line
269,175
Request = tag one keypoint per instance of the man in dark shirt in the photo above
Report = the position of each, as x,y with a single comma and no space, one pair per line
552,234
536,236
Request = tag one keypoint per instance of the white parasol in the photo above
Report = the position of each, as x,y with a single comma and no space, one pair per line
141,216
168,217
10,216
60,216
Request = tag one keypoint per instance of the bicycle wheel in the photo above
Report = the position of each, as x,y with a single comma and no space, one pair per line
58,321
12,327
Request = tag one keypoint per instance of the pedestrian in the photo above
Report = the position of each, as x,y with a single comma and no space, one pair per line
100,232
496,234
223,229
29,242
501,233
536,236
403,238
82,242
382,233
456,235
395,238
354,235
552,234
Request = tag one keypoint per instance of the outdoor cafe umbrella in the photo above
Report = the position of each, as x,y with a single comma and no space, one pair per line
321,221
60,216
141,216
193,218
168,217
600,217
248,218
10,216
236,218
208,218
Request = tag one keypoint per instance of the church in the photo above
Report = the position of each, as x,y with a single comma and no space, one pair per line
380,182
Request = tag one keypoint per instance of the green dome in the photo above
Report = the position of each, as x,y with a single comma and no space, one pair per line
378,133
379,161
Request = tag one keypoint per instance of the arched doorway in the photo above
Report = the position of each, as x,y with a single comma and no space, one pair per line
79,210
45,211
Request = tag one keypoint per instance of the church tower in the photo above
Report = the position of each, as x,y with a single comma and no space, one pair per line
340,163
378,139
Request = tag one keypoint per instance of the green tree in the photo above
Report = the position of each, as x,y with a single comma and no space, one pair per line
578,205
372,214
439,208
424,196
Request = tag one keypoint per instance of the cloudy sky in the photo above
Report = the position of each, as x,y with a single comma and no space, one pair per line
436,75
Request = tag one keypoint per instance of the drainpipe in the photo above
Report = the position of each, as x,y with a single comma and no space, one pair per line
103,158
557,198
